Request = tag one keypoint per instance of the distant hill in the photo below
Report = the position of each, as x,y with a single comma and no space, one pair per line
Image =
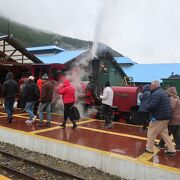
33,37
30,37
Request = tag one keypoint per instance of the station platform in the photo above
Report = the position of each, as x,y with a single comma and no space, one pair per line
119,150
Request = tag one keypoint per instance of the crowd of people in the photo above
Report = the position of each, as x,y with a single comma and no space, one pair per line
38,95
159,109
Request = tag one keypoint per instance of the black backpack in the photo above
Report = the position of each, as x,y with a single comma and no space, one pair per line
75,113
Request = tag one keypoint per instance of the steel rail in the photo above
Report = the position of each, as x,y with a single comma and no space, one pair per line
17,173
52,169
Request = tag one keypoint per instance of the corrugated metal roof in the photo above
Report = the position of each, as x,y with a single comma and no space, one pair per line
149,72
124,60
40,48
61,57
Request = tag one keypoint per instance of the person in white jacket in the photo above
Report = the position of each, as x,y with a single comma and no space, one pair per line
107,100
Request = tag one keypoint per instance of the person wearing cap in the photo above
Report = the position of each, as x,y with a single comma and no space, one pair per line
9,91
107,100
31,92
45,101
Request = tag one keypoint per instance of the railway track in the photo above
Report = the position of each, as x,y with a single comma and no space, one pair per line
25,173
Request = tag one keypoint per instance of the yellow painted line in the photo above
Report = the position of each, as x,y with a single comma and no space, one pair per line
164,167
3,178
160,166
147,156
36,119
120,123
44,130
59,127
114,133
86,148
86,121
57,114
21,114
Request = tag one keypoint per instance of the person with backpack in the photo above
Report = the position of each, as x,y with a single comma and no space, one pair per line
31,92
68,95
174,123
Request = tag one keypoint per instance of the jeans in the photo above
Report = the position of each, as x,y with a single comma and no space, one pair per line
29,109
9,103
47,107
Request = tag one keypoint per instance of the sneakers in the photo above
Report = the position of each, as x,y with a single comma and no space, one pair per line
29,121
167,153
34,118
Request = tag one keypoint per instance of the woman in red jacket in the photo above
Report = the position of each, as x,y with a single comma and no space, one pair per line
68,95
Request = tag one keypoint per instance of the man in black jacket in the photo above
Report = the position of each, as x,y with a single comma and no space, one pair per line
31,93
160,108
9,90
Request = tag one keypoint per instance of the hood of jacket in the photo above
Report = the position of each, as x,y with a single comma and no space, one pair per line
172,91
9,75
66,83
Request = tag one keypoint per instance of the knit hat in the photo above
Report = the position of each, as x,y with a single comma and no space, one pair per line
45,77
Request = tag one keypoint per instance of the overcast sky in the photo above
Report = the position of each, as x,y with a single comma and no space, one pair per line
147,31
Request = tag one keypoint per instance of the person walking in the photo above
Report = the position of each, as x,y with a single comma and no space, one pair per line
107,100
45,101
144,100
174,123
31,92
9,91
68,95
160,109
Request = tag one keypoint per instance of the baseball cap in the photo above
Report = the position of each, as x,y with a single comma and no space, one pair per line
31,78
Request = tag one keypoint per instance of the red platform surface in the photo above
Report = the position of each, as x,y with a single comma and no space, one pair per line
123,139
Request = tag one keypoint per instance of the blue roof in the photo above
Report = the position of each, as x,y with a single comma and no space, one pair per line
45,48
124,60
149,72
61,57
